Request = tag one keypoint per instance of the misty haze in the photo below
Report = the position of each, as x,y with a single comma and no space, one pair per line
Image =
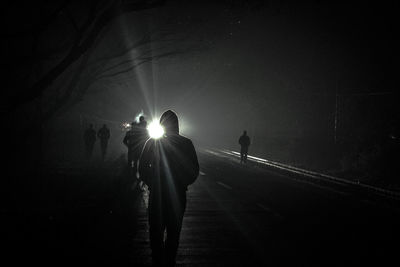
200,133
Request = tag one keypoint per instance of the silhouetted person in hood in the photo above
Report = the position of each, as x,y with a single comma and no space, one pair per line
244,142
135,140
167,165
90,138
103,134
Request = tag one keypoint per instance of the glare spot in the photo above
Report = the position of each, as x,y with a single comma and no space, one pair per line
126,125
155,130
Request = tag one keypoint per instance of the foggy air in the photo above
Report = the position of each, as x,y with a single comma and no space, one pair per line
200,133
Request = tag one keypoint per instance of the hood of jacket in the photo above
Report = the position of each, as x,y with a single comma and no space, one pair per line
169,121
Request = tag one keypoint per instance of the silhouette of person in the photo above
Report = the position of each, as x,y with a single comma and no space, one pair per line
128,141
135,140
90,138
142,123
103,134
168,166
244,142
142,137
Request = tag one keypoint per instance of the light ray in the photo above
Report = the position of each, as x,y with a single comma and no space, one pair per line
140,72
155,130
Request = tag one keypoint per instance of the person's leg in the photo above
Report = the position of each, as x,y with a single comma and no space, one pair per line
135,162
174,226
134,172
245,155
156,231
91,146
104,148
87,151
130,157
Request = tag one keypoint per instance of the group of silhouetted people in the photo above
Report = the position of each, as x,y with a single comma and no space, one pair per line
90,137
167,166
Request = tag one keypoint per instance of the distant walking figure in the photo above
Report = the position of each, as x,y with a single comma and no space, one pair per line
244,142
103,134
90,138
168,166
128,141
135,140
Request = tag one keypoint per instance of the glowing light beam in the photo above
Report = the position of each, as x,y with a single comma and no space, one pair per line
155,130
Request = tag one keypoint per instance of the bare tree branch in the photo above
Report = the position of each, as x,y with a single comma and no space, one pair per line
82,44
142,61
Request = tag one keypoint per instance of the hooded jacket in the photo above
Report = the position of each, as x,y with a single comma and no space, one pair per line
169,163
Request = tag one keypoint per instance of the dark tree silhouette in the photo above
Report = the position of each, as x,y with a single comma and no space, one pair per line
56,50
98,15
57,41
66,59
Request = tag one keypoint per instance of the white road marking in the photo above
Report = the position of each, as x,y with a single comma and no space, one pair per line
321,187
202,173
224,185
270,211
277,165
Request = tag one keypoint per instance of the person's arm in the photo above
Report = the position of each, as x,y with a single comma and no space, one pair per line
145,160
192,164
196,167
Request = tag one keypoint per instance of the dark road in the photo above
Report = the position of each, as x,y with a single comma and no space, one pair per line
237,215
249,216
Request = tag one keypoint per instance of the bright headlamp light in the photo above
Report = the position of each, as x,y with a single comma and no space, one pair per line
155,130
